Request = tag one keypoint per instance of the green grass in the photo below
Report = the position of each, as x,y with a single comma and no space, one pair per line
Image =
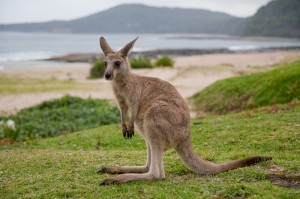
28,85
278,86
65,166
64,115
16,85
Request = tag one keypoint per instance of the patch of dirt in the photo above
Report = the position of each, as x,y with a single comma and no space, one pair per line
284,181
274,109
5,141
292,104
278,176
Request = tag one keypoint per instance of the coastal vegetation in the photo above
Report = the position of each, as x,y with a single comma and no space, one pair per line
164,61
278,86
140,62
144,62
58,116
98,68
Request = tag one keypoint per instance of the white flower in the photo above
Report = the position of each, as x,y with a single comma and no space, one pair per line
1,123
11,124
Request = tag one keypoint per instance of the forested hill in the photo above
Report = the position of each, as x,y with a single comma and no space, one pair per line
278,18
132,18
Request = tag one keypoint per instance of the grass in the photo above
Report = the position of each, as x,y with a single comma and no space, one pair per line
65,166
16,85
278,86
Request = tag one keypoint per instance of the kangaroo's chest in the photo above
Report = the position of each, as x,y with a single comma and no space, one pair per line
123,95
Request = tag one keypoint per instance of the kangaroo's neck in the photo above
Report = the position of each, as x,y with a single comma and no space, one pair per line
122,80
125,86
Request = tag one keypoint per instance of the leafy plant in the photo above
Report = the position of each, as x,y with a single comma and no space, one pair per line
68,114
140,62
97,70
164,61
8,130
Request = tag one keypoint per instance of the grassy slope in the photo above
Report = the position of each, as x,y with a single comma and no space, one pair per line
16,85
280,85
65,166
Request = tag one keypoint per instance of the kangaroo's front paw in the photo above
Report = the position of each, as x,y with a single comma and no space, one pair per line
124,130
127,132
130,132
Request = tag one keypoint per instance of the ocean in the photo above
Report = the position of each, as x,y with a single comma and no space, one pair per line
29,49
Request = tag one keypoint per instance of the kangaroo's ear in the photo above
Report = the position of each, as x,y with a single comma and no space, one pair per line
127,48
105,47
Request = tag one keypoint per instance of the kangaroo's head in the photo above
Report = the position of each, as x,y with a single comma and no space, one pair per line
116,63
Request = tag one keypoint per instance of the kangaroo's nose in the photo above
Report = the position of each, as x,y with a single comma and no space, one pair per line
107,76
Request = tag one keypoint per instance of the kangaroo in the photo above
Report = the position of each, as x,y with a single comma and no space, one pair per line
161,117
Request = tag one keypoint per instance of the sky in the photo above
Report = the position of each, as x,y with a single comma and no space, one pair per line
20,11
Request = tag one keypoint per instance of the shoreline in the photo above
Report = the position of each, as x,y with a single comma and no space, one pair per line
90,57
189,75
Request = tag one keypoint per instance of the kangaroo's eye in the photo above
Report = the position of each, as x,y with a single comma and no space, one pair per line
117,64
105,64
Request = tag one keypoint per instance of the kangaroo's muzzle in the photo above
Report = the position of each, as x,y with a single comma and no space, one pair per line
108,76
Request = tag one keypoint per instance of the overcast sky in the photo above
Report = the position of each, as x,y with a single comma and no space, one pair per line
15,11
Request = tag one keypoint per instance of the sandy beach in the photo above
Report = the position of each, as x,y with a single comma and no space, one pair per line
189,75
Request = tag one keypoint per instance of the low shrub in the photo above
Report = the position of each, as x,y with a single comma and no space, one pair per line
140,62
54,117
164,61
97,70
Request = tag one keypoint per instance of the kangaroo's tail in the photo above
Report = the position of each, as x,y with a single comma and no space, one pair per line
200,166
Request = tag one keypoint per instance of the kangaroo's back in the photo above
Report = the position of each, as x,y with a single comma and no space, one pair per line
161,95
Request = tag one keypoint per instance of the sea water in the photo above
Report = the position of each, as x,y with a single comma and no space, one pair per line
30,49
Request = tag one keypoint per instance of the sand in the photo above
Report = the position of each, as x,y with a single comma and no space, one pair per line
189,75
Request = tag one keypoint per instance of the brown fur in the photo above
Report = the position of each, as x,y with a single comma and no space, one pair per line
161,117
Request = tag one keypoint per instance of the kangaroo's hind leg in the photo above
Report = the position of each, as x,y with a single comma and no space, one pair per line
155,172
129,169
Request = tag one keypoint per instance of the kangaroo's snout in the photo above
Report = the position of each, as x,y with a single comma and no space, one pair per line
108,76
